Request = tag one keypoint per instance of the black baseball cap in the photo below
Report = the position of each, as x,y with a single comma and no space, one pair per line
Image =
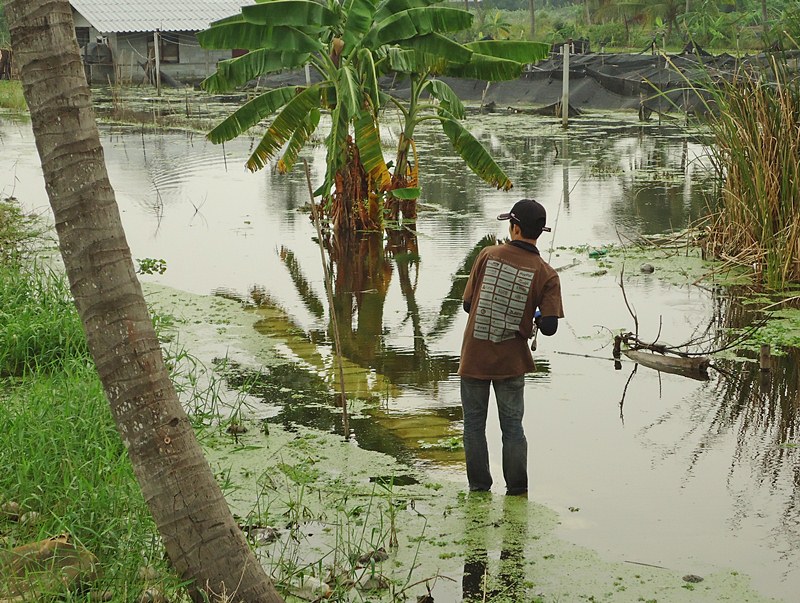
528,213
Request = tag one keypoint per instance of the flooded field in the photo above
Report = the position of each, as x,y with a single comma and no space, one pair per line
644,467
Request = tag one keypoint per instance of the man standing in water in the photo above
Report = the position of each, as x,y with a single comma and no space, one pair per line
507,284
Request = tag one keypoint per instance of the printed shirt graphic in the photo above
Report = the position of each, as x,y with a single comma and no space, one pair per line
502,300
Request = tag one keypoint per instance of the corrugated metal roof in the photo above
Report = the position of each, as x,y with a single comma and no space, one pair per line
111,16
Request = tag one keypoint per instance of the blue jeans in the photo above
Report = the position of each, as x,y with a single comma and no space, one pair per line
510,407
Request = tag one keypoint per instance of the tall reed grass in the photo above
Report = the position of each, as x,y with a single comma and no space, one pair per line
756,124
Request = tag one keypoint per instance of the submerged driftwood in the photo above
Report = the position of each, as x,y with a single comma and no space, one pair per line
695,367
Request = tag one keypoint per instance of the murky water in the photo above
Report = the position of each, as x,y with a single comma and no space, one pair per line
644,467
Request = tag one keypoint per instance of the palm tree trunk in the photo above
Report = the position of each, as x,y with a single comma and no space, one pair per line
199,533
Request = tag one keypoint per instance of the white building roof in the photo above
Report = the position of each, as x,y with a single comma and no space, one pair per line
113,16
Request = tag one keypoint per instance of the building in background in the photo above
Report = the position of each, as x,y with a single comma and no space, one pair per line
124,40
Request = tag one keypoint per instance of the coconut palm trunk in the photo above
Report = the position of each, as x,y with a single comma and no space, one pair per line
201,538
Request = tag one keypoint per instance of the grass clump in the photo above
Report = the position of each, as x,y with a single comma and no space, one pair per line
11,96
39,327
757,131
64,467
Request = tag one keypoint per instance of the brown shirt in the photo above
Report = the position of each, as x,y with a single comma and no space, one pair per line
507,283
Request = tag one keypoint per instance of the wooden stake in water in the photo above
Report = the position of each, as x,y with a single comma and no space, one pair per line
329,291
764,359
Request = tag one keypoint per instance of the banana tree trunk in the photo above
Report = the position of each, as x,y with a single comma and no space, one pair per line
201,538
532,11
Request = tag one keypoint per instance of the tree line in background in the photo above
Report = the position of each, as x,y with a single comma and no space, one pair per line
729,25
723,25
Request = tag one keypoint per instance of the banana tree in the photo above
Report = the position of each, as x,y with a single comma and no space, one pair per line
351,44
432,99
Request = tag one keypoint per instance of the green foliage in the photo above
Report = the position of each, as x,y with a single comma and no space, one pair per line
18,232
11,96
350,45
39,327
64,462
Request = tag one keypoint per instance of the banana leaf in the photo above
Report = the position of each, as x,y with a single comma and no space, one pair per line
473,152
360,16
520,51
370,150
406,193
482,67
299,138
252,112
402,61
297,13
439,46
391,7
336,145
237,72
445,95
418,22
369,77
291,117
238,34
349,92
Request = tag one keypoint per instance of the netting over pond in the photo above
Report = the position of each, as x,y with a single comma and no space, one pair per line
642,82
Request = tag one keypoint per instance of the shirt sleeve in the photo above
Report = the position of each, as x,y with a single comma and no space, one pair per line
551,304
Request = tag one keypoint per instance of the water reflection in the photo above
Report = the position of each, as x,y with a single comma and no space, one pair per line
485,579
362,267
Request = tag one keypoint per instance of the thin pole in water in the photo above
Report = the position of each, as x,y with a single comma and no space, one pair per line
331,309
565,87
157,56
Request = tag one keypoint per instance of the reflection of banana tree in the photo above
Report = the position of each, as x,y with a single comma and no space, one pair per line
310,300
362,276
451,305
425,367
